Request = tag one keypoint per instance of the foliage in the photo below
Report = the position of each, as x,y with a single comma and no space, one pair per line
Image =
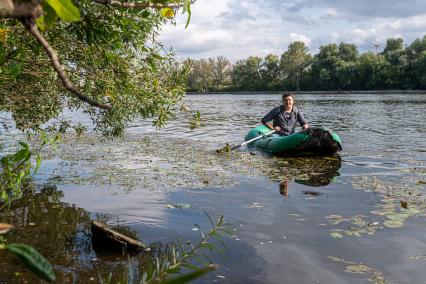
246,74
211,74
294,63
186,261
19,167
111,54
195,120
336,67
181,257
29,256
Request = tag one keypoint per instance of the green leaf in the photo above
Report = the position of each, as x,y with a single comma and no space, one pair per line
33,260
145,14
187,8
48,19
65,10
190,276
23,154
38,164
24,145
14,69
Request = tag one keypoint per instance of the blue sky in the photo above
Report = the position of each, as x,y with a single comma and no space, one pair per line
239,28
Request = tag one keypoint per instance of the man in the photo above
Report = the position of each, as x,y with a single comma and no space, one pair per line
284,117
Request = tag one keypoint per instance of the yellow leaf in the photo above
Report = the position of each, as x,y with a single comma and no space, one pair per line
3,34
167,12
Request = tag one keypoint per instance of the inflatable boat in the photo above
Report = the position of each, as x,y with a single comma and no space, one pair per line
312,141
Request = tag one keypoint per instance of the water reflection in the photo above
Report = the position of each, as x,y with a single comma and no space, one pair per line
311,171
61,232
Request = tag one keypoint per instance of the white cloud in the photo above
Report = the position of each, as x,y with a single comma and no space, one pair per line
299,37
331,12
240,28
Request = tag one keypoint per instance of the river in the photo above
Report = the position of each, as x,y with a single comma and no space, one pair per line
351,218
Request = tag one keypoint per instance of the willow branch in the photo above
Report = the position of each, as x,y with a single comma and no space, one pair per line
20,9
32,29
140,4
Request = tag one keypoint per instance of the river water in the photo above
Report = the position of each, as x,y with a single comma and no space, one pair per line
351,218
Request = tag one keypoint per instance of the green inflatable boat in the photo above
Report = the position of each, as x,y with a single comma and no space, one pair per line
312,141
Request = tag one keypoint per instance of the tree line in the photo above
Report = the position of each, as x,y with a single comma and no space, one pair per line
336,67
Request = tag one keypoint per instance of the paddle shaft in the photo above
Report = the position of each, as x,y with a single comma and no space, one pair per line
252,140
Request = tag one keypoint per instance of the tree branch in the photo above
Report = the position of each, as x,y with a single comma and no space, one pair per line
32,29
20,9
140,4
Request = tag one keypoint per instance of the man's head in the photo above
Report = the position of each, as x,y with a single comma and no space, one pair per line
288,100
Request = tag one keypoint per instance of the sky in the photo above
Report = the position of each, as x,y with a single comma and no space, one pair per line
237,29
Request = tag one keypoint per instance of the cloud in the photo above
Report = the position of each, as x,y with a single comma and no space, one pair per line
240,28
299,37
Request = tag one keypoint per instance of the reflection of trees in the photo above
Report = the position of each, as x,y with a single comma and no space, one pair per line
60,232
312,171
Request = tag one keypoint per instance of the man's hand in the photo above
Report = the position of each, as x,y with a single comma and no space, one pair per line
305,126
277,128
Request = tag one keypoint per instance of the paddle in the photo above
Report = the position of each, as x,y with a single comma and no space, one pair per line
229,148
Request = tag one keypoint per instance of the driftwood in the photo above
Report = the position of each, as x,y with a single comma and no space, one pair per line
109,239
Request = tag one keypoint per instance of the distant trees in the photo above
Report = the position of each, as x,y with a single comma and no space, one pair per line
334,68
206,75
294,64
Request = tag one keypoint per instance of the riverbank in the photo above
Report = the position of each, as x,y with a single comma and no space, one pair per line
373,92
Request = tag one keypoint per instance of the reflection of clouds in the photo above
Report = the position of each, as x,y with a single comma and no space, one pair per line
135,207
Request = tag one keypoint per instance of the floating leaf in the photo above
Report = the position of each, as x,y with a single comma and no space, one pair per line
33,260
358,268
336,235
393,223
396,216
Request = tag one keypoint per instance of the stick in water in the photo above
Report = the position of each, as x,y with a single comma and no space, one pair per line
229,148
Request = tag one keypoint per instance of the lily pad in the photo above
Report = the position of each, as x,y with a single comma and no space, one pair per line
393,223
358,268
336,235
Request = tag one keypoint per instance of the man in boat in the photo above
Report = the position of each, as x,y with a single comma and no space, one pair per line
285,117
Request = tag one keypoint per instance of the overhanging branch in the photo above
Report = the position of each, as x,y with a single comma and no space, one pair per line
140,4
20,9
32,29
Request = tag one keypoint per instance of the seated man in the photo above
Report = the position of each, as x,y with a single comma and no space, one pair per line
284,117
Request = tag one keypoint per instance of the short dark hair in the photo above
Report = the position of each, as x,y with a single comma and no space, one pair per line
286,94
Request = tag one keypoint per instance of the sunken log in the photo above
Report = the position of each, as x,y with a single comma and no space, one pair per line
108,239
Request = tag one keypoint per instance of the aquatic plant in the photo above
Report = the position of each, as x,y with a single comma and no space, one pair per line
195,120
28,255
375,276
18,168
399,200
186,260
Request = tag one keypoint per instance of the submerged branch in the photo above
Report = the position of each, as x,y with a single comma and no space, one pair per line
32,29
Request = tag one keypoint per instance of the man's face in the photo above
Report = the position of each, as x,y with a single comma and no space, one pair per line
288,101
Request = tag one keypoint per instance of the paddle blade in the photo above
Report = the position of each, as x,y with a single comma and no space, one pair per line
226,149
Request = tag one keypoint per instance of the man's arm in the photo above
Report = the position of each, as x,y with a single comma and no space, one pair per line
268,117
302,121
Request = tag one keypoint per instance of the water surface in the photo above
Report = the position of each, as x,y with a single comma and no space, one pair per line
339,220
